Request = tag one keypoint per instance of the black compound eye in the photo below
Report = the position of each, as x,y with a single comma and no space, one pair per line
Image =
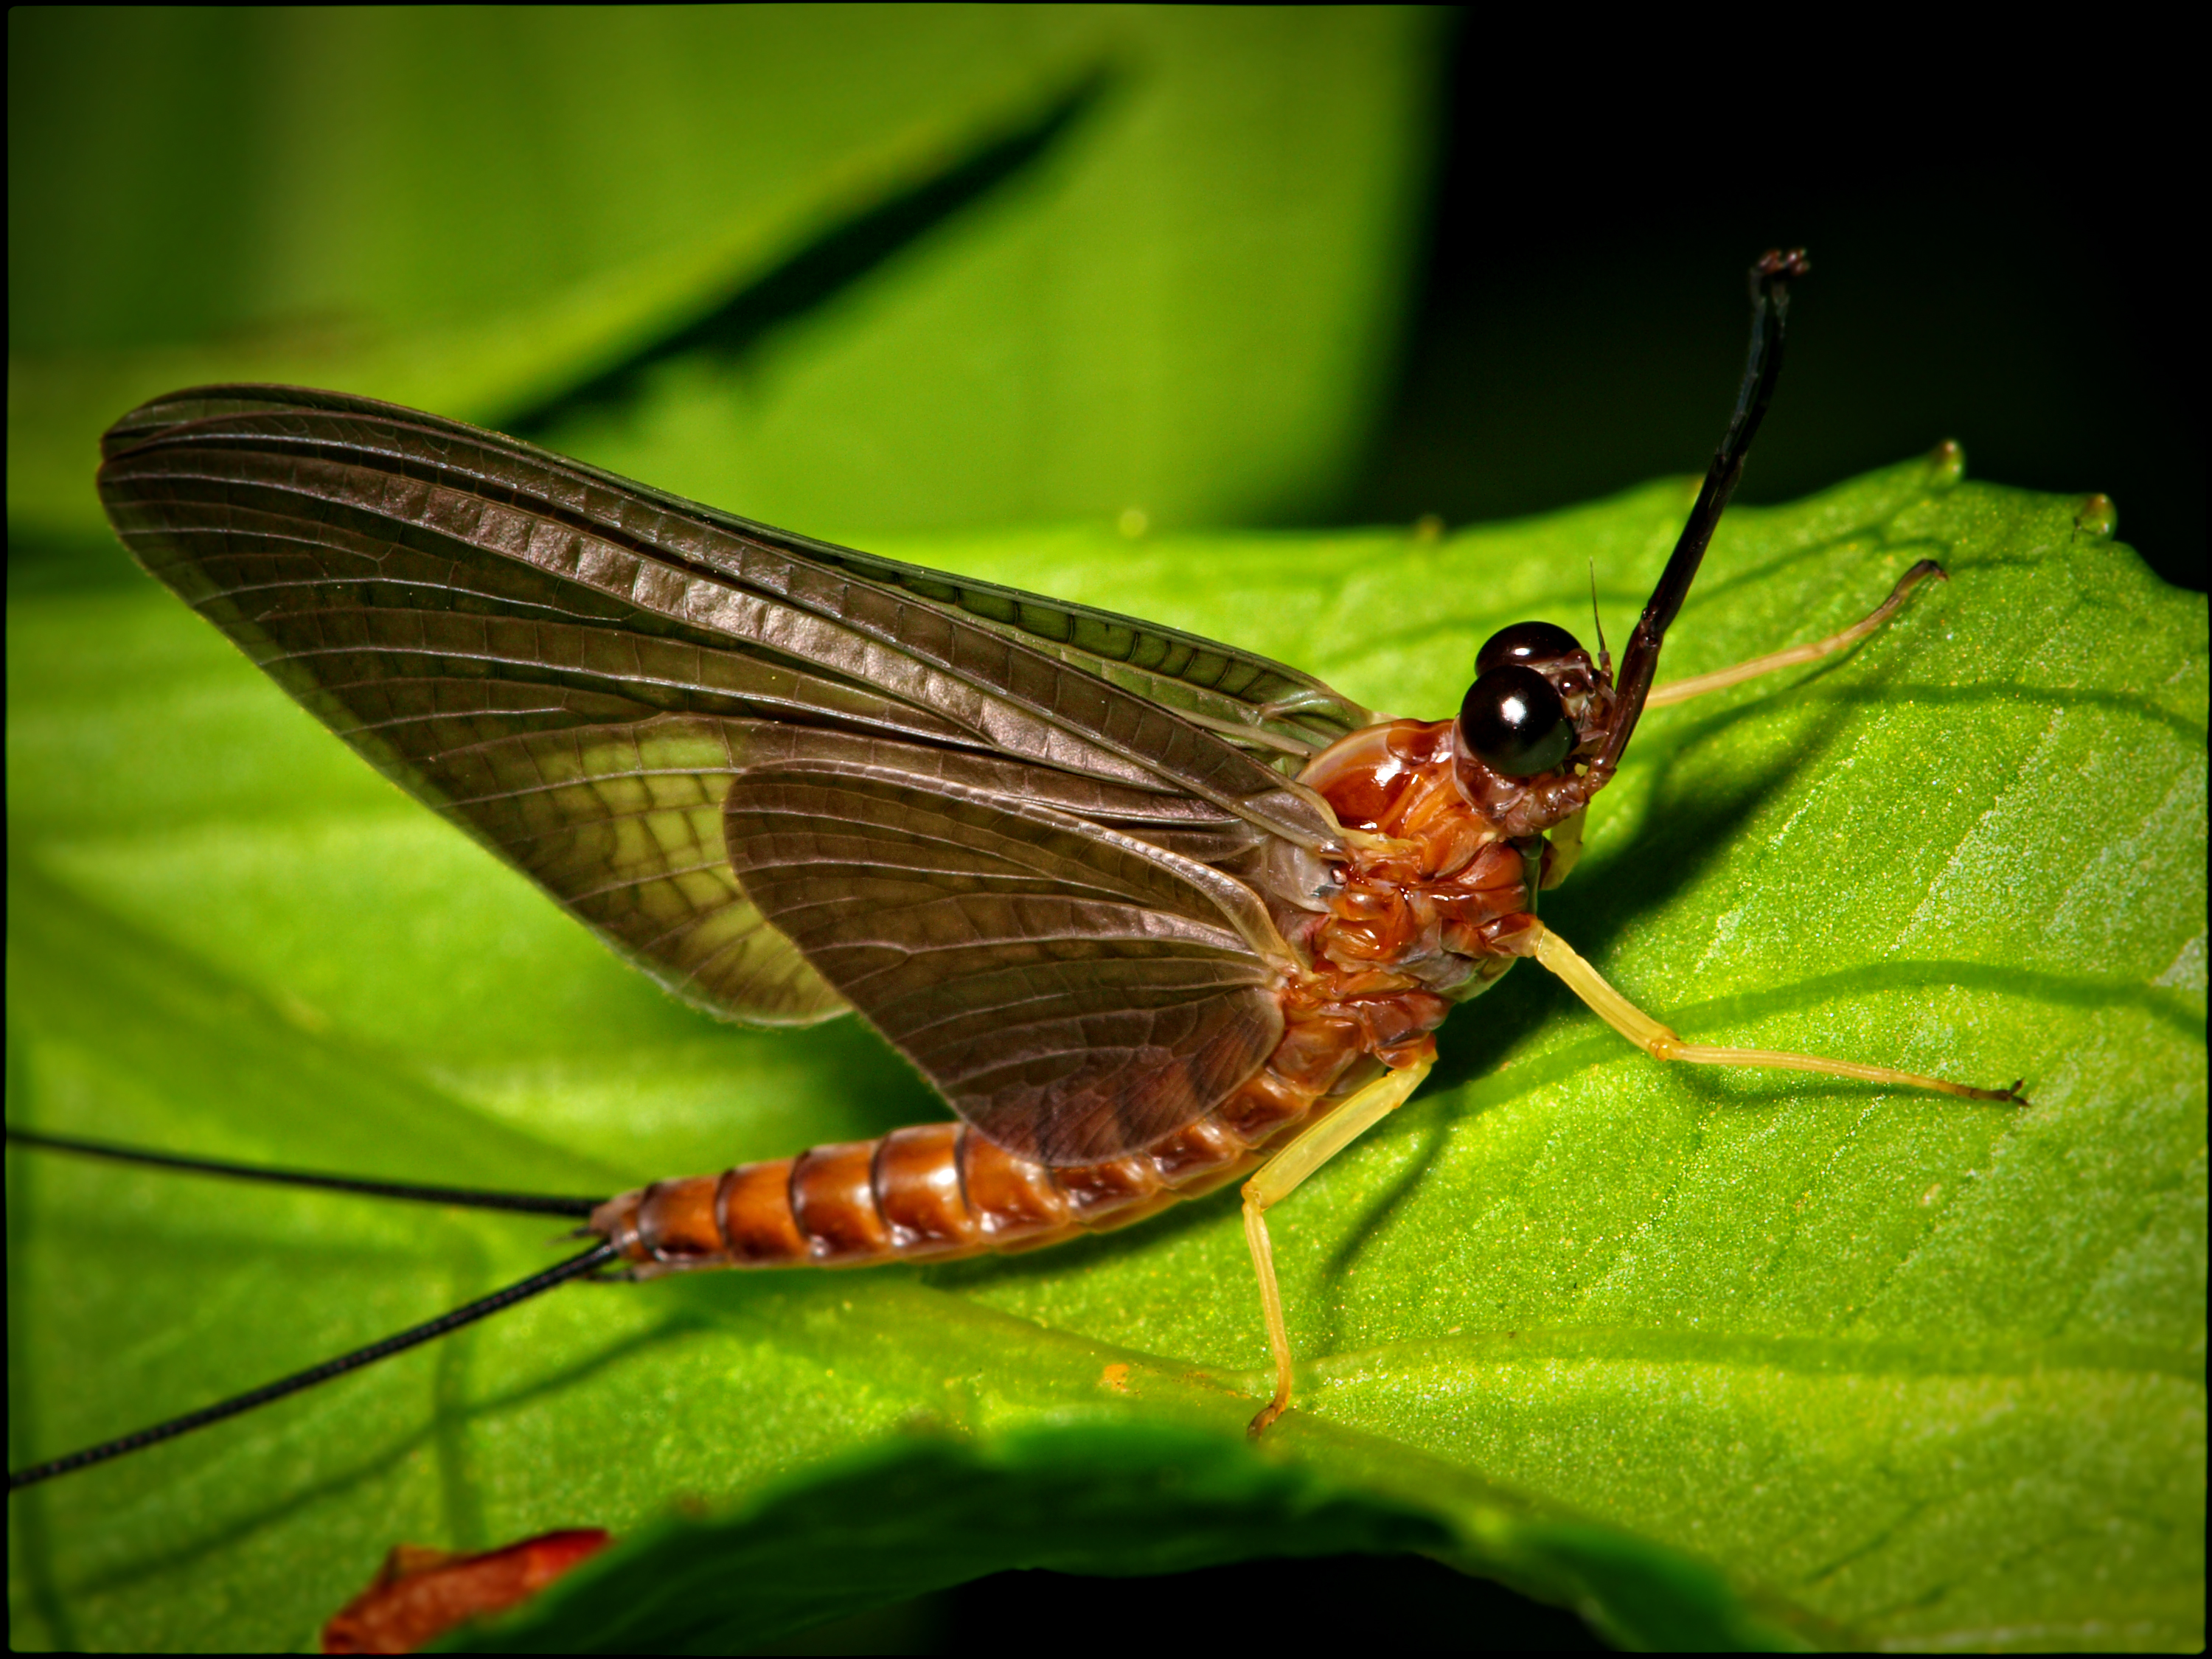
1528,642
1514,722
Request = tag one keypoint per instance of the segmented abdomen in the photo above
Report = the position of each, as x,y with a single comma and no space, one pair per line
940,1190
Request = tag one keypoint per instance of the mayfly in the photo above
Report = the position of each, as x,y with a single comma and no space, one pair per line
1153,913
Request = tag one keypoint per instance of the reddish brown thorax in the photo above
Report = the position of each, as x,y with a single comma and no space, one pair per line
1433,900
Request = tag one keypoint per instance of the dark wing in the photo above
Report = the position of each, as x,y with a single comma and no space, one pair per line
1076,993
1254,703
575,669
994,639
588,740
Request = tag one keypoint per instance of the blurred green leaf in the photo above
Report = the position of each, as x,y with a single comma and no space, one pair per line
1100,1498
1715,1357
1174,291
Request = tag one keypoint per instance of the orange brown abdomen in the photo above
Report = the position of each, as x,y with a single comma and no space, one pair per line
938,1191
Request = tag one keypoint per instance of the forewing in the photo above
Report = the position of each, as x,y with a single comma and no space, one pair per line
577,669
419,480
1254,702
588,740
1074,992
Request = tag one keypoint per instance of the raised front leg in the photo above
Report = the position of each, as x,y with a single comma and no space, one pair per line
1683,690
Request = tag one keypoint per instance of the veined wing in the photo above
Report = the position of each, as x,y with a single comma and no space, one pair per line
1257,703
417,479
1076,993
573,667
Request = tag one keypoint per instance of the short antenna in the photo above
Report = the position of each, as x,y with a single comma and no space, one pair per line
1604,656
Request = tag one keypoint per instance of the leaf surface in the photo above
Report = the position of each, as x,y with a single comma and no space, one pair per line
1720,1358
974,265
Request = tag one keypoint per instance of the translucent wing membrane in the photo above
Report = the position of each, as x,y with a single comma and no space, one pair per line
577,670
1254,700
1077,994
1249,699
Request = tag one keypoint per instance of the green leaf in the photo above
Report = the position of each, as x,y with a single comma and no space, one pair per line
981,266
1723,1359
1097,1498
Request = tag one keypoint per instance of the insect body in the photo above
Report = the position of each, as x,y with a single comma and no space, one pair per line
1152,913
1368,962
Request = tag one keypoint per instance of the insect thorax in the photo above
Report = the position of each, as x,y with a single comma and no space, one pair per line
1434,900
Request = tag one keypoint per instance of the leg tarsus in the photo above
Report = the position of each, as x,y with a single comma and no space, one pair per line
1271,1307
1278,1178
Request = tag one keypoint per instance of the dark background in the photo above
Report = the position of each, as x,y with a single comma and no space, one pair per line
2002,258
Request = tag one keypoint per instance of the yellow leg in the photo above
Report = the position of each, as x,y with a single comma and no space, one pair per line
1656,1040
1683,690
1280,1176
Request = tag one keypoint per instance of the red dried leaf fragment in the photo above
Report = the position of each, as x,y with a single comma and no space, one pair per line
420,1593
